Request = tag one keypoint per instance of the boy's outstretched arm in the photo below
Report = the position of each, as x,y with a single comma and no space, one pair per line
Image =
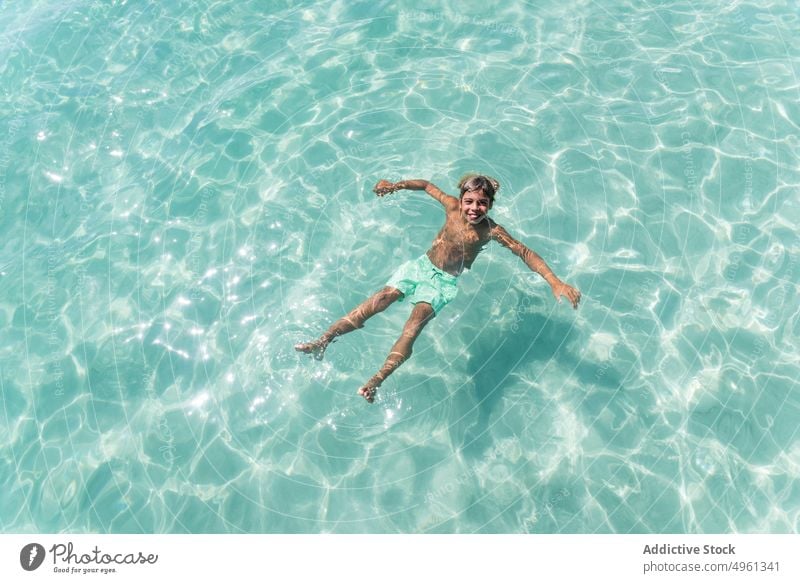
385,187
537,264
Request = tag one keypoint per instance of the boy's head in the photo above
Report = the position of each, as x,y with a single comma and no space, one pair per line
477,196
474,182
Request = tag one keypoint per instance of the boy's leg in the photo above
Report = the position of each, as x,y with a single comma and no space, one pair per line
352,321
401,351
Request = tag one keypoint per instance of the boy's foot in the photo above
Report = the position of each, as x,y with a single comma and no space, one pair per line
315,349
368,391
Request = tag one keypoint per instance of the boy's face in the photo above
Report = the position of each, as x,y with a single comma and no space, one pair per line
474,206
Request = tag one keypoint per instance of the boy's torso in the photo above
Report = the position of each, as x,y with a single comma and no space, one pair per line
458,243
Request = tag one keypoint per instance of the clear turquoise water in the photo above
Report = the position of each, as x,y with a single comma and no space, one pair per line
186,194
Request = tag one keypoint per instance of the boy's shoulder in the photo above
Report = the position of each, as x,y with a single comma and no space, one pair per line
493,225
451,203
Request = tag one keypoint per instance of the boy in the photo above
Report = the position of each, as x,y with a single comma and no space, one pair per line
430,281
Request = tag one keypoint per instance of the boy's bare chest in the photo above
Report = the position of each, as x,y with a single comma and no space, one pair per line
461,234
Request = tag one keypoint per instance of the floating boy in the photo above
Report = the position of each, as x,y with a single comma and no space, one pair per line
429,282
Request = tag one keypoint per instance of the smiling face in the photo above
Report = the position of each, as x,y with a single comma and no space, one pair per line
474,206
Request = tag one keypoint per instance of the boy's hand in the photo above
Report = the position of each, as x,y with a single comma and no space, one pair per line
383,188
562,289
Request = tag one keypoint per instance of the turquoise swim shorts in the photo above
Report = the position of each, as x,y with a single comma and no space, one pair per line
419,280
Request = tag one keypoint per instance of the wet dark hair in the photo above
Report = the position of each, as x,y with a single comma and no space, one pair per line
487,184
